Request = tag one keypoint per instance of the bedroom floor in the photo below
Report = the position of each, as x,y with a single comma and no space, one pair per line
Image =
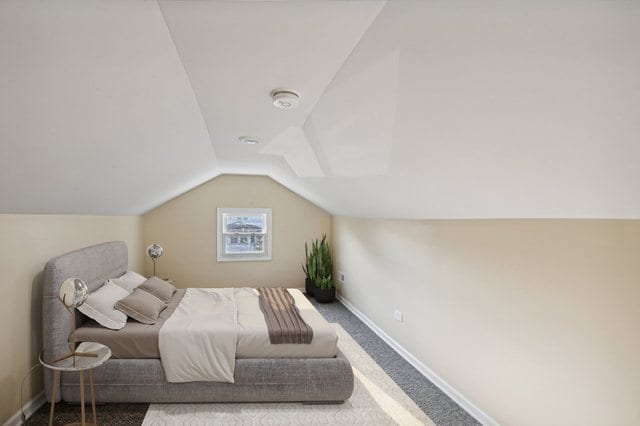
438,406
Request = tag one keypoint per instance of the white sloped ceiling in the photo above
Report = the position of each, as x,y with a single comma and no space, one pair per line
409,109
97,114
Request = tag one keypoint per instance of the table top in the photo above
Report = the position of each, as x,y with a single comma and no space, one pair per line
81,362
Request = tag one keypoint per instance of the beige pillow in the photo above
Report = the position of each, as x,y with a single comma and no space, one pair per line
159,288
141,306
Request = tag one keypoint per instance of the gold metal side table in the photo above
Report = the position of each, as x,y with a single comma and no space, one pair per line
80,364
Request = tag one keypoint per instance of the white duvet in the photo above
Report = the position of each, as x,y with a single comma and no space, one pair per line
211,327
198,341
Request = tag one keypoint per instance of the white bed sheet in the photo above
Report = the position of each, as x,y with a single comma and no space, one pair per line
253,336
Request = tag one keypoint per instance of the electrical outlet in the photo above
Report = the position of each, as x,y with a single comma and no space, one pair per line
397,315
341,276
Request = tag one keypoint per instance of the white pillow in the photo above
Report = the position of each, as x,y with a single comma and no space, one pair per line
128,281
100,306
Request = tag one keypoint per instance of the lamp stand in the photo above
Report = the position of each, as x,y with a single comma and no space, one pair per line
72,344
154,267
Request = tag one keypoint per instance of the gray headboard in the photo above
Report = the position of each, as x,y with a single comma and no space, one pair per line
93,265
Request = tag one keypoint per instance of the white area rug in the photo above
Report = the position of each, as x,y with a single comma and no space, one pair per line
376,400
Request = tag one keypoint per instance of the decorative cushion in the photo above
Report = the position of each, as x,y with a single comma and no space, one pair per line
159,288
128,281
100,304
142,306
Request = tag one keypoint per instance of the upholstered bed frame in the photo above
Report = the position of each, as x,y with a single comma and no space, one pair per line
143,380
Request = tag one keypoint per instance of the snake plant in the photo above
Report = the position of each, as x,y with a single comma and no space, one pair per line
318,265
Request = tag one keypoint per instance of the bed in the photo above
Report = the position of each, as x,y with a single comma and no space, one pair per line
137,375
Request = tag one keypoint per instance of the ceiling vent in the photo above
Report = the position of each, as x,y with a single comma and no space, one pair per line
249,140
285,99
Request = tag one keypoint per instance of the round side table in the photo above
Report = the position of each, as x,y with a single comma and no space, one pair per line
89,355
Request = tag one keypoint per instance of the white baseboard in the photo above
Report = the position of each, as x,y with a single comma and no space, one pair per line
445,387
29,408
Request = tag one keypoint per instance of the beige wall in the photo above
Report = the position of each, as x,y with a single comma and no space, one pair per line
186,229
534,321
537,322
27,242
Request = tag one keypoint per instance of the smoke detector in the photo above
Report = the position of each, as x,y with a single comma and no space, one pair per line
284,98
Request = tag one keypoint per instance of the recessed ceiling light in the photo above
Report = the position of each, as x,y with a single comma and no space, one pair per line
284,98
249,140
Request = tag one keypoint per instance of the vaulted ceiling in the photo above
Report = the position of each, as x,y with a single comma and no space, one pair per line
408,109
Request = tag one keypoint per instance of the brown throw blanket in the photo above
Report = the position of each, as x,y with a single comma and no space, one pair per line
283,318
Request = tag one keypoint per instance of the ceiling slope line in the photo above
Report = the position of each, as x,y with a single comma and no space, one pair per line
346,58
210,174
193,92
321,160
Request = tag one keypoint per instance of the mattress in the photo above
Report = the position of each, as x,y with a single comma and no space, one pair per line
137,340
253,336
134,340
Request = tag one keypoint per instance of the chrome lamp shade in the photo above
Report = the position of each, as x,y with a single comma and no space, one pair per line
73,292
155,251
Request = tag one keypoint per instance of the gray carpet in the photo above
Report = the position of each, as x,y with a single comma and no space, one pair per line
438,406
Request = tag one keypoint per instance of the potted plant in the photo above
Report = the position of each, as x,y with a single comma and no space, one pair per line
309,268
325,291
